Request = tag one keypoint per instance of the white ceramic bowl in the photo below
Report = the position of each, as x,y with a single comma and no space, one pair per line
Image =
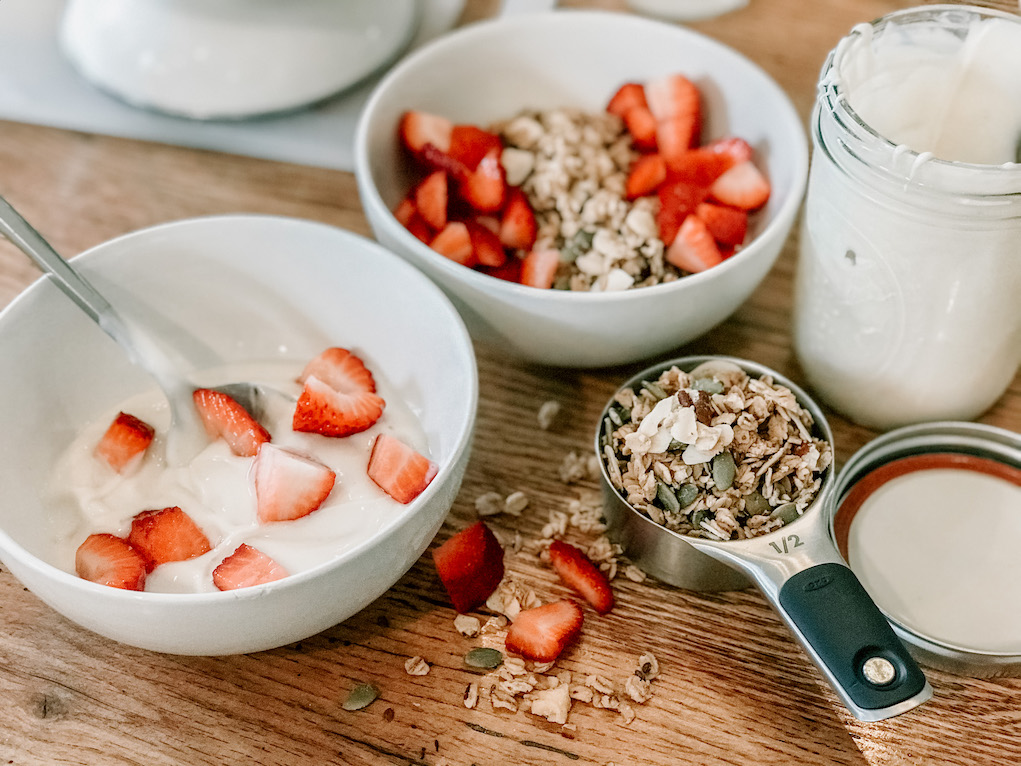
229,289
492,70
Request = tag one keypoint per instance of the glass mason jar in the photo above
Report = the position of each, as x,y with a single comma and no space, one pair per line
908,289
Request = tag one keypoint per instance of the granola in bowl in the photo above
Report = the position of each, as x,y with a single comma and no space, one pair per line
714,452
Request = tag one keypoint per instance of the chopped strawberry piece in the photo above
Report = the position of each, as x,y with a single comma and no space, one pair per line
431,199
742,186
110,560
673,96
629,95
642,126
646,174
539,267
487,250
675,136
417,129
578,571
703,165
341,370
289,486
728,225
167,535
398,469
677,200
543,632
245,567
124,441
694,248
485,188
420,229
322,409
440,160
518,228
509,272
406,210
470,566
455,242
224,418
469,144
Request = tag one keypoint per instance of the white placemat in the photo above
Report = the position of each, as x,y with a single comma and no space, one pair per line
38,86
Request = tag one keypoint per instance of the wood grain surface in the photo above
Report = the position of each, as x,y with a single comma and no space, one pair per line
734,689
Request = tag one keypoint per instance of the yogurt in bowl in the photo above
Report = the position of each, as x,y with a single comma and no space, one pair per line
226,291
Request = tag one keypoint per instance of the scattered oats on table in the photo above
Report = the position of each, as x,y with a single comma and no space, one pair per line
547,413
714,453
416,666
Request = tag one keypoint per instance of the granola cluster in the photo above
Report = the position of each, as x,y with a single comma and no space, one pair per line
573,166
714,453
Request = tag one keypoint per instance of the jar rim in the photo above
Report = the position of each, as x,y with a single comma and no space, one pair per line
997,179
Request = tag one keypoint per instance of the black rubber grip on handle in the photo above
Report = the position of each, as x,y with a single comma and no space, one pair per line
845,628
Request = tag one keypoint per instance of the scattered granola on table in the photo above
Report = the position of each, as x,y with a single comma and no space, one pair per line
714,453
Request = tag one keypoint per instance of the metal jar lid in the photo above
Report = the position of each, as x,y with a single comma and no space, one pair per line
911,451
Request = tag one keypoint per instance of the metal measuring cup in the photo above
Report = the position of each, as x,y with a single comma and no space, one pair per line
797,567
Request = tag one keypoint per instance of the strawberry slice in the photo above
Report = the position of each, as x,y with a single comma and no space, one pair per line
539,267
431,199
578,571
406,210
629,95
224,418
470,566
245,567
110,560
509,272
645,176
289,486
728,225
341,370
417,129
694,248
677,200
469,144
643,128
543,632
399,470
420,230
673,96
454,241
485,188
487,250
167,535
124,441
742,186
704,164
518,228
440,160
675,136
321,409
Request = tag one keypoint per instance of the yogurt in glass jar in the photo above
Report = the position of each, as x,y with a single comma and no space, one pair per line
908,290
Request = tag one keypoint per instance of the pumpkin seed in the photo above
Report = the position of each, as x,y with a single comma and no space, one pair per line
654,389
667,498
484,657
755,503
724,471
697,518
687,494
675,446
579,244
608,431
786,513
614,417
360,697
709,385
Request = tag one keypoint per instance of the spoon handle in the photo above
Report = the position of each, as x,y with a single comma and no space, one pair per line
77,288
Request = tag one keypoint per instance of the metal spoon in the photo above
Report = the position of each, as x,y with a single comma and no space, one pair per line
187,434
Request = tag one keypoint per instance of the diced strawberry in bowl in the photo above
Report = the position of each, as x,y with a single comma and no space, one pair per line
245,567
110,560
399,470
167,535
289,485
125,441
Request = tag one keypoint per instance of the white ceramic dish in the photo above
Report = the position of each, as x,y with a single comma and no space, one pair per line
230,59
492,70
227,289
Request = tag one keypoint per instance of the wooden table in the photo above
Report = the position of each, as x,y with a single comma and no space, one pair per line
734,689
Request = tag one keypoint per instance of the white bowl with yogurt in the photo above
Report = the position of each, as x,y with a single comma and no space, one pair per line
263,293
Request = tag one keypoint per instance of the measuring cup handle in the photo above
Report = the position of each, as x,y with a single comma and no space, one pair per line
852,639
